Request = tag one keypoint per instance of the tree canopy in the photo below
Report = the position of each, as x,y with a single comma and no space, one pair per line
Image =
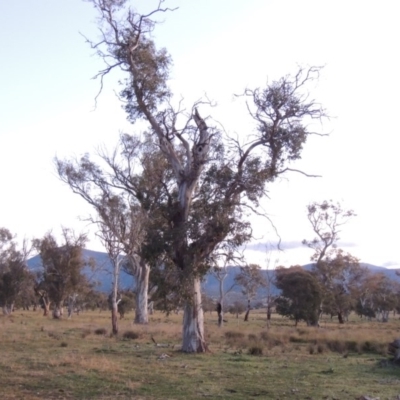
210,181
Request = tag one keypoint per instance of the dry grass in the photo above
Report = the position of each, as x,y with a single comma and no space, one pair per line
47,359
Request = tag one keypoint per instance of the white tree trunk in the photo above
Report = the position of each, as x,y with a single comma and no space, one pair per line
71,304
193,323
114,316
7,310
114,296
142,289
57,312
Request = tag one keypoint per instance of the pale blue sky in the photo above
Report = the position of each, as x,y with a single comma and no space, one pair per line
219,47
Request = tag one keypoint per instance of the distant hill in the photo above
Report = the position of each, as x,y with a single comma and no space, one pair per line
102,275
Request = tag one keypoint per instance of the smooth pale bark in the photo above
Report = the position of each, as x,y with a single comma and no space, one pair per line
57,312
114,317
71,304
46,308
7,310
142,289
114,296
193,323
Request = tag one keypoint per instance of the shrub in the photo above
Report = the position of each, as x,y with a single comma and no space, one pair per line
234,335
130,335
320,348
100,331
336,345
85,332
256,350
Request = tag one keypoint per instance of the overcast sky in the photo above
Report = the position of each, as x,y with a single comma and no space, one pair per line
219,48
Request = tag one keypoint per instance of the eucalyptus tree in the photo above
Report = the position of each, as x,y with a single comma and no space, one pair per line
326,219
251,279
62,269
339,274
215,181
300,296
125,187
15,277
336,271
219,271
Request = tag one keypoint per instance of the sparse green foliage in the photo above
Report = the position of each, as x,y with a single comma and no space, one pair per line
338,273
251,279
62,266
326,218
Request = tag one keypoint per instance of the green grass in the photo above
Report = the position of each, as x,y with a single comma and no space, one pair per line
43,358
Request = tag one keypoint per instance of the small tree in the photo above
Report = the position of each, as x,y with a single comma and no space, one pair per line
251,279
220,260
125,190
339,275
237,308
14,274
382,295
331,266
300,296
62,269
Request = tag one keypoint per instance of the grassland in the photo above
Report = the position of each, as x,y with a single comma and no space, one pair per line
41,358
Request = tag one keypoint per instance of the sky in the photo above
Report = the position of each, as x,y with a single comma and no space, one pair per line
219,48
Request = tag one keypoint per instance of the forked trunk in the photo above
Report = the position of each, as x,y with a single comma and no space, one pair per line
142,288
193,323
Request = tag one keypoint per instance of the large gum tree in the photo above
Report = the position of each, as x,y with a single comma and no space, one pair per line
215,180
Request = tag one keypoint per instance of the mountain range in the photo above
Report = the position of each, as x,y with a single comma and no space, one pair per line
102,274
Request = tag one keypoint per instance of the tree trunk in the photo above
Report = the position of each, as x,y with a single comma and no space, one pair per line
385,316
114,295
57,313
193,323
220,306
340,317
7,310
246,316
46,307
71,304
114,316
142,289
220,314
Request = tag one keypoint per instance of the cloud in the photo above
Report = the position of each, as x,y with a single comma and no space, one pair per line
390,264
287,245
268,246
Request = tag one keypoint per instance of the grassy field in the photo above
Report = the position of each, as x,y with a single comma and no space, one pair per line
41,358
